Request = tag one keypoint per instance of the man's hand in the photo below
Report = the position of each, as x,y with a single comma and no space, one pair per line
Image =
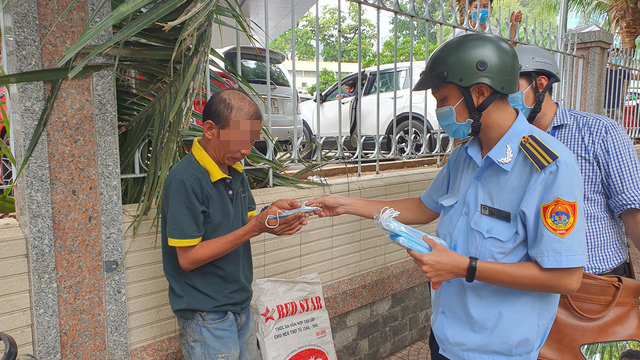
332,205
286,225
441,264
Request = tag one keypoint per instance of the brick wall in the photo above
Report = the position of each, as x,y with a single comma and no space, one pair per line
383,327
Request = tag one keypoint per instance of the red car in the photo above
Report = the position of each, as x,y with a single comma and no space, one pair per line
5,164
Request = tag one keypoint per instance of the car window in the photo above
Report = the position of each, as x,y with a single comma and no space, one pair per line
387,82
255,72
333,94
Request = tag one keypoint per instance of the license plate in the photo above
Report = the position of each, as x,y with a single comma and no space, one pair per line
275,106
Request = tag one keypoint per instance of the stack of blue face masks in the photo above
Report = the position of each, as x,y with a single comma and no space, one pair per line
402,234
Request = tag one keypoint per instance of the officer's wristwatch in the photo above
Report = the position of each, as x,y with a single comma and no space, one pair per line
471,270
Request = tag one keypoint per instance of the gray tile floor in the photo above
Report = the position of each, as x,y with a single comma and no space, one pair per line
417,351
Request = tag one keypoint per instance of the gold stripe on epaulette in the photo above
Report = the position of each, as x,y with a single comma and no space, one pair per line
542,152
539,153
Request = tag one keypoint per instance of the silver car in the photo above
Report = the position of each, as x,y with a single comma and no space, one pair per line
398,113
281,109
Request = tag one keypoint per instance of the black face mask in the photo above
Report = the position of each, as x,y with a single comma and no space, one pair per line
537,106
475,113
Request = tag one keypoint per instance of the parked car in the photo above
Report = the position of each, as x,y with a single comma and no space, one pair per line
631,109
283,106
420,113
305,97
5,164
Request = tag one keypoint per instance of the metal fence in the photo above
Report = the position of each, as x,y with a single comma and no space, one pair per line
387,121
390,122
622,89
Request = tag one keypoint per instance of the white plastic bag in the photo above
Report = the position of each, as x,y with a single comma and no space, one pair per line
292,321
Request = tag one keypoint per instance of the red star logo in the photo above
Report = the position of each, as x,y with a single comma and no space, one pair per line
268,315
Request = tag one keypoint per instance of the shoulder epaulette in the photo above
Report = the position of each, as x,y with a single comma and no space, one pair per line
464,140
539,153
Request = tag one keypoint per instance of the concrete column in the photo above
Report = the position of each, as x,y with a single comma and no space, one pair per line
593,46
68,198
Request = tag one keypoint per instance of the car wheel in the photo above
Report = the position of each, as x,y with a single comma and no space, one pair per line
306,150
403,135
444,143
5,164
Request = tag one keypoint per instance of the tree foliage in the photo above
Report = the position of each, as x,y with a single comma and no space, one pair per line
305,35
346,38
161,49
327,78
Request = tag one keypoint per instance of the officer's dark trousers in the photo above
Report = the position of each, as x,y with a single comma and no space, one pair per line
435,348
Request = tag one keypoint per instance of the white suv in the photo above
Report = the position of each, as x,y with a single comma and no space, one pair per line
283,107
422,106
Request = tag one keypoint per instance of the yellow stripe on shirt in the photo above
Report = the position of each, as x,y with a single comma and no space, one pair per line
184,242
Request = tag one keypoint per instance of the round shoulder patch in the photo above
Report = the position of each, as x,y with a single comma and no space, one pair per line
559,216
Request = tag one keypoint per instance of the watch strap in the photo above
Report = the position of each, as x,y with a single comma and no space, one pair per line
471,270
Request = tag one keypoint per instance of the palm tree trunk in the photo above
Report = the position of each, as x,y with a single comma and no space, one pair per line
630,30
626,17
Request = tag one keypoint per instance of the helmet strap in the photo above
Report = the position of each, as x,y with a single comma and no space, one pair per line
537,106
475,113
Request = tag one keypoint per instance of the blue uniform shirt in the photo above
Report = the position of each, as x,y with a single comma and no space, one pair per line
611,172
500,208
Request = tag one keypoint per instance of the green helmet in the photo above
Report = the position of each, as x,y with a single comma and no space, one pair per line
471,59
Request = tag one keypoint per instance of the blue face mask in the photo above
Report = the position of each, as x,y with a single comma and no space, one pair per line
517,102
483,15
447,119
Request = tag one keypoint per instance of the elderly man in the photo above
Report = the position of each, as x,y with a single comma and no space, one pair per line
608,162
509,200
208,218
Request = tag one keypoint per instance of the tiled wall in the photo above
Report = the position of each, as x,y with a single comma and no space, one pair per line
15,301
150,317
335,248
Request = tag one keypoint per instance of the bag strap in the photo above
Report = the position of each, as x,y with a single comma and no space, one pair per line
618,287
632,273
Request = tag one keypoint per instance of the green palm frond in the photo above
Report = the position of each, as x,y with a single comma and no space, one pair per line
162,48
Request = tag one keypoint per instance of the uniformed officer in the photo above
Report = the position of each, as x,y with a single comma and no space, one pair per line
509,201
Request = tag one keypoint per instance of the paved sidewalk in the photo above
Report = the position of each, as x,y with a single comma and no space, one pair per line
417,351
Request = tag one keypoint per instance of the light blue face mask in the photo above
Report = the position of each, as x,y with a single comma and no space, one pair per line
447,118
483,15
517,102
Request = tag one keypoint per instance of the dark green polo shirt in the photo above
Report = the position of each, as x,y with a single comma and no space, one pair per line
201,203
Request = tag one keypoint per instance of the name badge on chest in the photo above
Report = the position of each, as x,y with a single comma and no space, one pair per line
495,213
